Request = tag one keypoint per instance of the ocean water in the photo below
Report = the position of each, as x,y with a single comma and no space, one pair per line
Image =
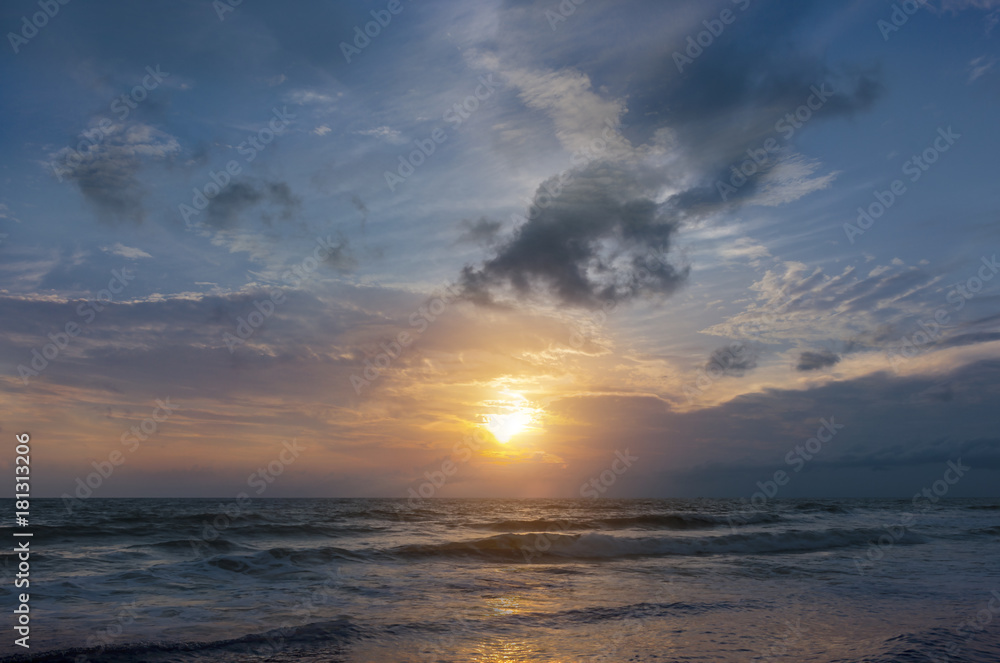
488,580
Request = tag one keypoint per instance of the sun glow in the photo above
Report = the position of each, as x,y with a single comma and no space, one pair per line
505,426
516,416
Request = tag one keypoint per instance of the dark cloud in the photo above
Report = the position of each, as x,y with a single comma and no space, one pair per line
898,434
481,232
600,238
109,184
811,361
225,209
361,207
943,392
714,144
200,154
762,69
733,360
981,453
117,346
728,100
104,166
340,257
970,339
582,248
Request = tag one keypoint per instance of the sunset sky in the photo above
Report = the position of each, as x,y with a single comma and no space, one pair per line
543,203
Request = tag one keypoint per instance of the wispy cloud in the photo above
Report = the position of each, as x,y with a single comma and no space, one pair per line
129,252
980,66
385,133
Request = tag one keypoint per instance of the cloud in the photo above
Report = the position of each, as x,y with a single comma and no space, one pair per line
303,97
340,257
904,428
732,360
790,179
732,99
579,114
482,231
361,207
811,361
980,66
105,170
129,252
800,303
5,214
225,209
743,249
322,130
761,77
658,170
385,133
602,238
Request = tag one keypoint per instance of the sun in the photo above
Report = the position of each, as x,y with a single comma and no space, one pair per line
511,414
505,426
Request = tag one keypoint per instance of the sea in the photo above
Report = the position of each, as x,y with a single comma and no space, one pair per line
500,580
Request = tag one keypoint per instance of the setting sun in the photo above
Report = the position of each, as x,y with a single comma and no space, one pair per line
505,426
512,415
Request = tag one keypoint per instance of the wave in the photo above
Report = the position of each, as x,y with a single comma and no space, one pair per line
605,546
187,545
821,506
227,558
197,528
935,644
85,531
674,521
404,513
260,645
268,562
311,556
302,529
149,525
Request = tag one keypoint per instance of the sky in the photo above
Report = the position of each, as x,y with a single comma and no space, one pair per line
501,248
